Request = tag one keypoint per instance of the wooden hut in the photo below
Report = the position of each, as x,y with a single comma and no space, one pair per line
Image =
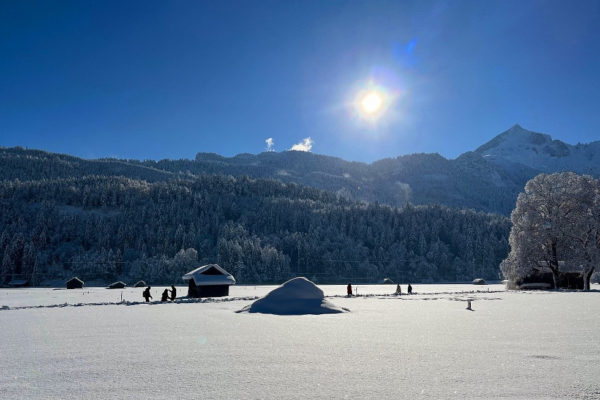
117,285
18,283
74,283
140,284
209,281
569,277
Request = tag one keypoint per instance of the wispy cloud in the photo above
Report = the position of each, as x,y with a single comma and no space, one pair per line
270,144
305,145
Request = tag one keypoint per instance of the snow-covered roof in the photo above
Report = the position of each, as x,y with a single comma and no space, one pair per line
210,274
117,285
18,282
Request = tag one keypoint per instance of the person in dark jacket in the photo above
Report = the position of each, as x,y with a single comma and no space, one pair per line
173,293
165,295
349,290
146,294
409,289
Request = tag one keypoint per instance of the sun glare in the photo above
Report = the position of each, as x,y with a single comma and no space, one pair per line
371,102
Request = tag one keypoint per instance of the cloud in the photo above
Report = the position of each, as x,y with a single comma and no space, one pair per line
305,145
270,144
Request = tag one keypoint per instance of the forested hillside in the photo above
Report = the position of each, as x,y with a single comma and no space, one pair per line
108,228
26,164
467,182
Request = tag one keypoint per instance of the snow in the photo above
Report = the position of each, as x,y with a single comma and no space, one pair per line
202,279
298,296
539,151
518,345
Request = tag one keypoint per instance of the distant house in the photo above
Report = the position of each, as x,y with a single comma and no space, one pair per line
18,283
74,283
209,281
569,277
117,285
140,284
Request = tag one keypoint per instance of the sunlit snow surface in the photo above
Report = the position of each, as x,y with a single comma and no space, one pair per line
82,344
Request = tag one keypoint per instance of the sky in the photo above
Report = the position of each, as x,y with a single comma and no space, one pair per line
168,79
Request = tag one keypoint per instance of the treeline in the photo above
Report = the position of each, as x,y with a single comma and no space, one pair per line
25,164
262,231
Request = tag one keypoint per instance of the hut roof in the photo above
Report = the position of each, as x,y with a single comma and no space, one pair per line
140,284
210,274
75,279
18,282
117,285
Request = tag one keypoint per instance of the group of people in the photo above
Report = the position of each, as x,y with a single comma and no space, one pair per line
166,297
165,294
398,289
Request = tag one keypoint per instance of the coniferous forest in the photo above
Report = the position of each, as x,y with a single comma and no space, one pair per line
262,231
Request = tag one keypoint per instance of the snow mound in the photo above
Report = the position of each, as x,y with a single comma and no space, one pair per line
298,296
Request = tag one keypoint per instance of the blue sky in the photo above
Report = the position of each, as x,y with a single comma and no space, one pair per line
167,79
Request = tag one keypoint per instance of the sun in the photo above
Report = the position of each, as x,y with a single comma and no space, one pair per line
371,102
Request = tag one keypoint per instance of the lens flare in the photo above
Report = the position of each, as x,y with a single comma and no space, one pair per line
371,102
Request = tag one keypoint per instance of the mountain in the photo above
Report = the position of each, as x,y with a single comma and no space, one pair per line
520,147
256,215
470,181
487,179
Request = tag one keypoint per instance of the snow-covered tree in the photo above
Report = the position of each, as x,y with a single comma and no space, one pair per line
100,227
584,228
555,219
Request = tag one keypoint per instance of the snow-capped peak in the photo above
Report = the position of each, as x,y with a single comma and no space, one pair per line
518,145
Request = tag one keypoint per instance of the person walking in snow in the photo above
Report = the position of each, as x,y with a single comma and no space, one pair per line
409,289
165,295
146,294
349,290
398,289
173,293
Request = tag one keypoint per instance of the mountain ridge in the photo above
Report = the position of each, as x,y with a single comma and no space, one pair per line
487,179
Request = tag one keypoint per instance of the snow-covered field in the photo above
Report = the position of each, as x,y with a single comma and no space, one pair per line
87,344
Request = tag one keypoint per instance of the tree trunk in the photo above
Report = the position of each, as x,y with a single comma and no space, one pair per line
555,278
554,266
587,277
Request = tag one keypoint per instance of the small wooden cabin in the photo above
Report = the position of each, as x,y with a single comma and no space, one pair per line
117,285
18,283
140,284
209,281
74,283
569,277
